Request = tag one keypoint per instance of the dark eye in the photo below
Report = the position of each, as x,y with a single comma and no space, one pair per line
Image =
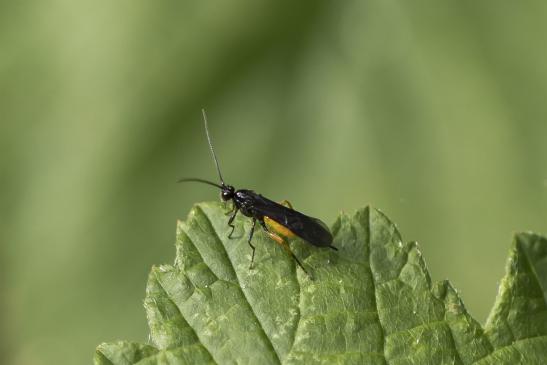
226,195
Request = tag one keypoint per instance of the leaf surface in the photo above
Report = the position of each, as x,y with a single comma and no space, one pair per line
370,302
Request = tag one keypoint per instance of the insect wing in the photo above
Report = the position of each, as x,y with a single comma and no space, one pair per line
308,228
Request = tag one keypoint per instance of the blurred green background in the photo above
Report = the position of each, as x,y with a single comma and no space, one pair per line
434,112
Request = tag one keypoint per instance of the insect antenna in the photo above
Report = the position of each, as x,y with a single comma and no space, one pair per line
195,179
211,146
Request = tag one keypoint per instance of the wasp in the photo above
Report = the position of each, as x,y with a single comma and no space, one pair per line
279,220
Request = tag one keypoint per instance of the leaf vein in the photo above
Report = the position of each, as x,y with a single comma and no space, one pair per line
182,347
421,325
182,316
217,236
299,314
499,349
456,352
533,270
373,283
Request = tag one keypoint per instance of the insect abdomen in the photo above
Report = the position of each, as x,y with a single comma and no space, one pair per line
279,228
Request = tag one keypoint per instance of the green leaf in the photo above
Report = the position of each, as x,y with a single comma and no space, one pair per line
371,302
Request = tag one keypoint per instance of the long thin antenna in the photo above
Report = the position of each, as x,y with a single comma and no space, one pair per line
211,146
195,179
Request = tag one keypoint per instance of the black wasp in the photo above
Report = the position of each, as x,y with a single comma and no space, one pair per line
279,220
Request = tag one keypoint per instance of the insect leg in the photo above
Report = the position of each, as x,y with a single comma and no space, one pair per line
281,242
231,210
250,244
286,203
230,221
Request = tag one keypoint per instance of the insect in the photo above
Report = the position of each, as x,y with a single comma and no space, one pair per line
279,220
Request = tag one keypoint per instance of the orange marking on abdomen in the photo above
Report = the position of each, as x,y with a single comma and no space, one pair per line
282,230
